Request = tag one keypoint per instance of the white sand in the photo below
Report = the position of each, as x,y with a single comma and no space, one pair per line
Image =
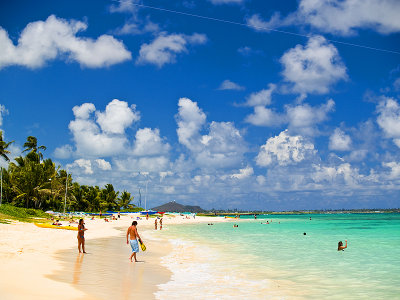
27,255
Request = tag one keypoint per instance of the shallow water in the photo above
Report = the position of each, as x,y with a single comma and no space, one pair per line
106,273
277,260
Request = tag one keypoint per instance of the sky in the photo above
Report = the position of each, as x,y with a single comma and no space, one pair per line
225,104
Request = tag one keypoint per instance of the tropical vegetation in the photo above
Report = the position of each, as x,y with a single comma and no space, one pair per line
33,181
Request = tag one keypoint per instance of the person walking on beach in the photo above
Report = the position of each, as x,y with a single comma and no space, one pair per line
160,223
81,236
131,238
155,224
341,247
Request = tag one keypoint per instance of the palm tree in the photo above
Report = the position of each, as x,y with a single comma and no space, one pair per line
3,153
3,147
125,199
31,145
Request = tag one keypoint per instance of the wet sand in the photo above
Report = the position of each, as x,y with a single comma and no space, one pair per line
105,271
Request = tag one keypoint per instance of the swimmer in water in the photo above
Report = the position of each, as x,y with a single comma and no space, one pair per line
341,247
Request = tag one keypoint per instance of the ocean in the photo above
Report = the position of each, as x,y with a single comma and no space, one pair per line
278,261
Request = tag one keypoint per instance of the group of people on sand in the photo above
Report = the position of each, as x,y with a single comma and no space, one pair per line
155,223
132,237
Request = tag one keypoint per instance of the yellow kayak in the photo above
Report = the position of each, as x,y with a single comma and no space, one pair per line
44,225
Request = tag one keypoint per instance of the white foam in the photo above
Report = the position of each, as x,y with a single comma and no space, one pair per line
197,273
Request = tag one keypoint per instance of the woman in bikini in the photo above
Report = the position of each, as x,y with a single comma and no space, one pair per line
81,236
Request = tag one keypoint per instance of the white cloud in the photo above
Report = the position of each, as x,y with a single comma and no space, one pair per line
221,147
335,174
341,17
117,117
263,116
344,17
389,118
339,141
230,85
218,2
285,149
3,112
108,138
304,118
243,173
262,97
148,143
164,48
313,68
63,152
83,111
83,164
103,164
395,169
190,120
43,41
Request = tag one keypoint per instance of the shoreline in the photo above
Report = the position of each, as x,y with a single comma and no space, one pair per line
31,254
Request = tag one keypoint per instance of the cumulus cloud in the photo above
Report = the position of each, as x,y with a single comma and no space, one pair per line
339,141
149,143
230,85
84,164
243,173
103,164
117,116
3,112
63,152
304,118
341,17
313,68
164,48
190,120
389,118
284,150
263,116
223,145
262,97
106,136
343,173
43,41
395,169
301,118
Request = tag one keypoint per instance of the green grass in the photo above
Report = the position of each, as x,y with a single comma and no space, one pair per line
10,212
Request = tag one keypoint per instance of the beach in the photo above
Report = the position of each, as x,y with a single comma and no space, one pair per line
192,258
33,259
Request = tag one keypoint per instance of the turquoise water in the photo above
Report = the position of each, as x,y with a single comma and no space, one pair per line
303,266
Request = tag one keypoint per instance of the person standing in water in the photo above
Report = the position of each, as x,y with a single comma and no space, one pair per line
81,236
341,247
131,238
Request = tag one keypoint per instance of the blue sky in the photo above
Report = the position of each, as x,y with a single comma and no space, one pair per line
209,112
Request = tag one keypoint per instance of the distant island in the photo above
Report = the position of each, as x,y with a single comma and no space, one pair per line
180,208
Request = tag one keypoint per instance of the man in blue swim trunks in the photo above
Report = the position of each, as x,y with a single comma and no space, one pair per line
131,238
